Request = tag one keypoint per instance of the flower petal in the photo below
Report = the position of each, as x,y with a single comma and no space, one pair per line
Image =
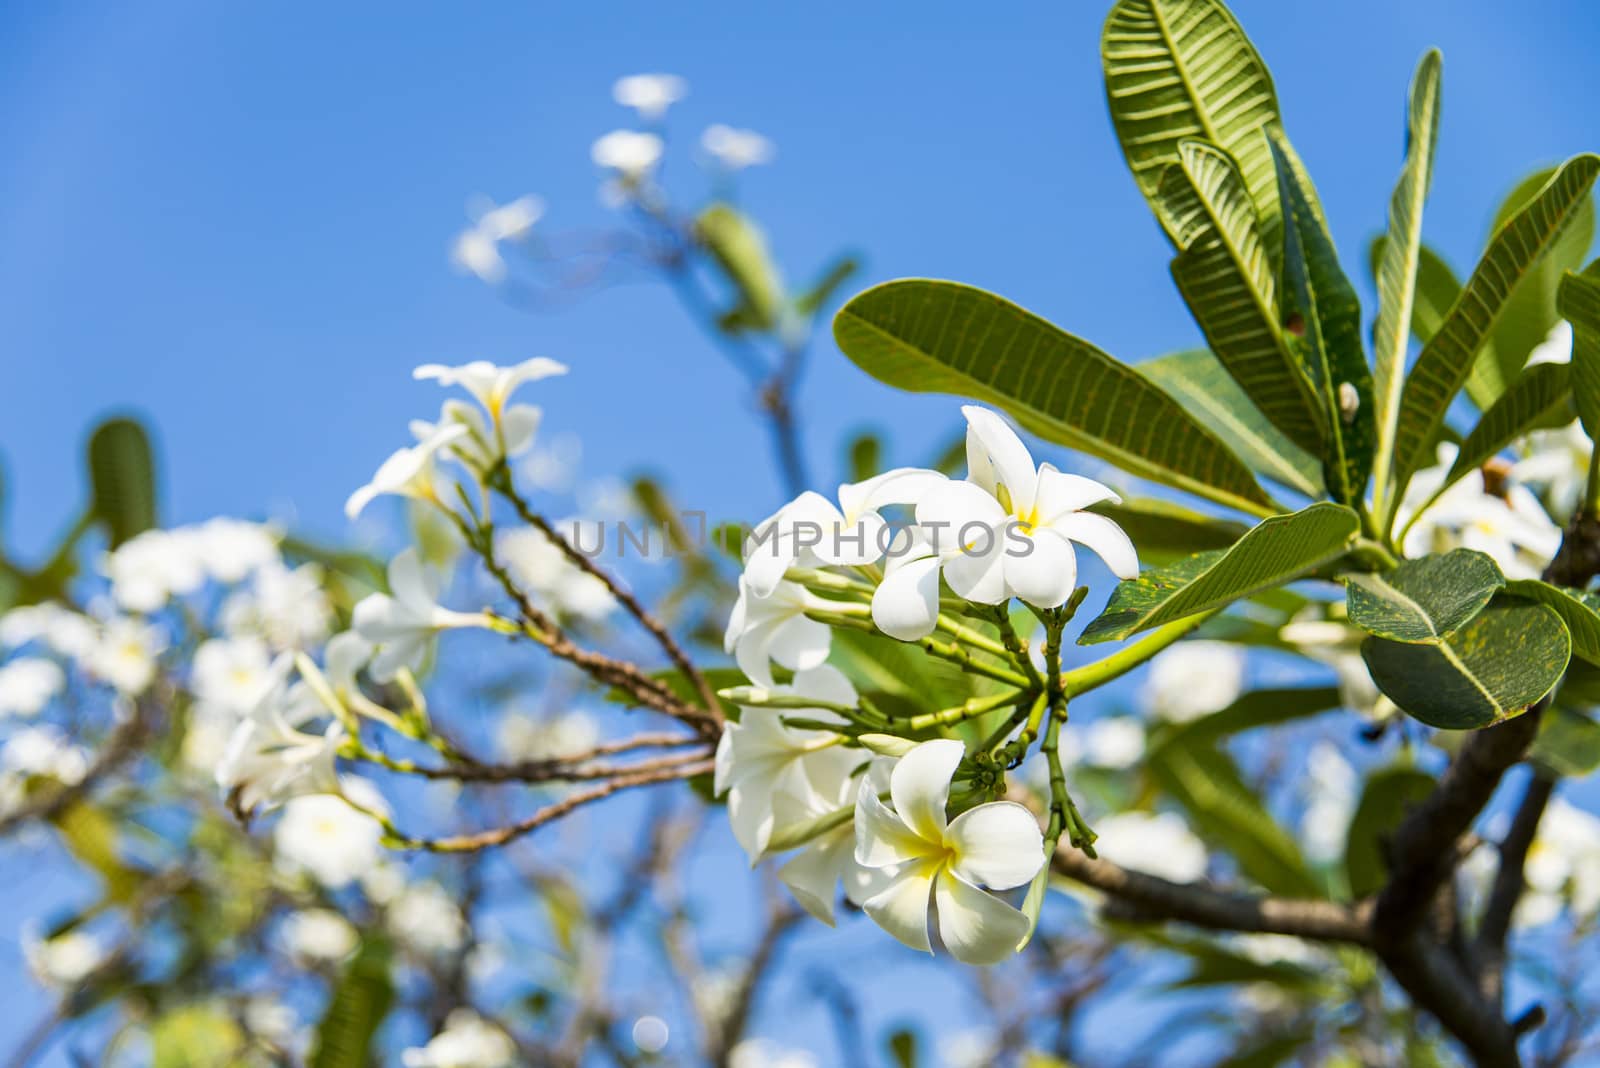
1013,465
882,838
920,786
813,875
997,845
976,571
1109,541
906,603
1061,493
948,507
1046,573
901,908
975,926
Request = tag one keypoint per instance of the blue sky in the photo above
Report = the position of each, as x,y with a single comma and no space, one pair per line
232,219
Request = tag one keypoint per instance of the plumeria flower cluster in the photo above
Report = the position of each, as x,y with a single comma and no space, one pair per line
902,814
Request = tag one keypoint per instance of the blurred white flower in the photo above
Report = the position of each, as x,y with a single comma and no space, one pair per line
288,607
322,835
541,568
65,961
318,936
1512,528
477,248
229,550
1338,645
650,1034
1114,742
1556,346
408,472
481,447
28,684
1556,463
490,384
152,567
44,750
269,759
1157,843
230,675
424,917
628,152
973,1048
736,149
124,655
1563,866
1194,679
1330,803
403,623
525,738
467,1041
58,628
765,1053
649,94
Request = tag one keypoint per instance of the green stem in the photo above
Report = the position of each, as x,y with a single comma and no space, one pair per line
1083,679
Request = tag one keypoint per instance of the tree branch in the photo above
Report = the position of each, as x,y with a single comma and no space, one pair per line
1508,884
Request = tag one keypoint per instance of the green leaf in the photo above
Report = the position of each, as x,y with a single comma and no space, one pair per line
1467,680
1568,742
359,1003
1201,384
942,337
1400,260
1579,302
1426,599
1319,292
1258,708
820,292
1227,278
1446,360
866,456
90,833
122,480
1177,70
1385,799
196,1036
739,248
1276,551
903,1048
1540,397
1164,531
1578,609
1227,812
1531,309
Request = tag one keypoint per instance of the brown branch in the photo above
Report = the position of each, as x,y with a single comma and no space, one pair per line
1149,897
1509,884
555,769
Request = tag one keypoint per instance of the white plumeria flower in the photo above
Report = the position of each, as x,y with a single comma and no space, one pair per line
482,446
765,1053
328,839
632,154
490,384
946,864
63,631
287,607
65,961
230,675
1556,346
28,684
269,759
1557,463
814,873
1338,645
426,920
777,776
649,94
408,472
45,750
1157,843
1513,529
124,655
477,248
467,1041
1194,679
230,550
403,623
150,568
812,529
1115,742
775,628
318,936
736,149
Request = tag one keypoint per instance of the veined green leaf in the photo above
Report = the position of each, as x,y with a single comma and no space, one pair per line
1467,681
1435,292
1166,531
359,1003
1228,281
1568,742
1199,382
1541,397
1579,302
1397,269
1316,288
1530,310
1225,810
122,480
1387,795
1446,361
1178,70
1258,708
1426,599
1578,609
943,337
1276,551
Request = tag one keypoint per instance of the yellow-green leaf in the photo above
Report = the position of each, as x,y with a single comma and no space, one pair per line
1426,599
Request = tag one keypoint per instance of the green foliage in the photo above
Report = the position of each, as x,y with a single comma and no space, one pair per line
1226,277
1198,381
740,250
1579,302
1578,609
943,337
1277,551
1467,679
122,479
1541,397
1399,260
1568,742
356,1010
195,1036
1322,297
1442,367
816,296
1387,795
1164,531
1177,70
1424,600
